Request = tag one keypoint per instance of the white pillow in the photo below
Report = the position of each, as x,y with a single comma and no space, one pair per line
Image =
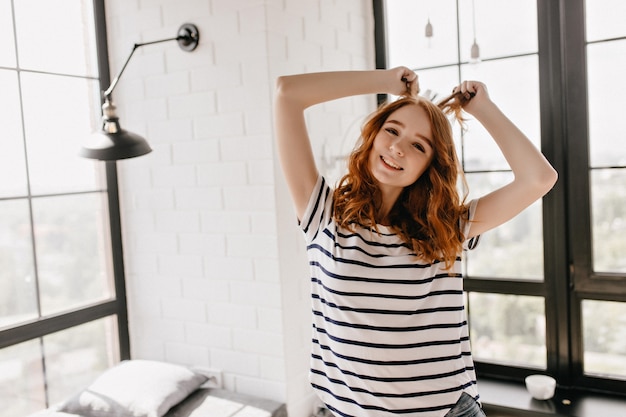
137,388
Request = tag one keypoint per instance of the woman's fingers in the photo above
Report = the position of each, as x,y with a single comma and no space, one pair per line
411,81
469,89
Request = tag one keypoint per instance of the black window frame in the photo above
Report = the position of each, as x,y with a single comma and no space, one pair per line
569,276
116,306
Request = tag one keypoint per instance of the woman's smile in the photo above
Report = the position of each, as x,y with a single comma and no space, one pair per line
391,164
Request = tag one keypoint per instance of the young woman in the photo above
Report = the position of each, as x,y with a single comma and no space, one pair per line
390,336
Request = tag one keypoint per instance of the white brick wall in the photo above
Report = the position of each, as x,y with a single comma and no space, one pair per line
216,270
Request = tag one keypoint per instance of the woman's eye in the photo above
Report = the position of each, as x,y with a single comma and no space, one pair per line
419,147
392,131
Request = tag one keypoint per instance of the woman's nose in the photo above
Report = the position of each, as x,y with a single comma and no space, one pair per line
396,147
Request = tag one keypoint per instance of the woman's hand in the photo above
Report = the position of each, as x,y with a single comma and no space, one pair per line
473,96
404,82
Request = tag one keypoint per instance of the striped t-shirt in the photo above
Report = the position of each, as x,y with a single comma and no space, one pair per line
390,334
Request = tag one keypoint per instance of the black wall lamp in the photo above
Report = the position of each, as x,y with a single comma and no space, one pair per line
112,142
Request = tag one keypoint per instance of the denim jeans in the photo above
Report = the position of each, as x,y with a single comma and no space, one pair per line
466,406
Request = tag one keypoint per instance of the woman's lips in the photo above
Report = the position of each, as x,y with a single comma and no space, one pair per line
391,164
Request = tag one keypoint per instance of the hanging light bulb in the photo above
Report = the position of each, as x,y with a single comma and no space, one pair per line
428,31
475,51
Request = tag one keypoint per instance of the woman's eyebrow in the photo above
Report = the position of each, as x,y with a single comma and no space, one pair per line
419,135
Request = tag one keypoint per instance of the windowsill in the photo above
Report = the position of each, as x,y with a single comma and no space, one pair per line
512,399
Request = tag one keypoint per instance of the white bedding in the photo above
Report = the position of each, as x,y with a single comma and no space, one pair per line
138,388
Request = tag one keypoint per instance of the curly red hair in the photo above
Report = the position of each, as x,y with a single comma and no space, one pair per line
428,212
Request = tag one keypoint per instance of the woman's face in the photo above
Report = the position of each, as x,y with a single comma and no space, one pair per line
402,149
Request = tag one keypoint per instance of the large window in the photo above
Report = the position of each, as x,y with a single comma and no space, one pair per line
546,292
62,303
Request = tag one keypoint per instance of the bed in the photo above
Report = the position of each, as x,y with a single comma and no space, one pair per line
143,388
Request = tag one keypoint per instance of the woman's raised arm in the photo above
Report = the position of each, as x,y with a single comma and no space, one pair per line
295,93
533,174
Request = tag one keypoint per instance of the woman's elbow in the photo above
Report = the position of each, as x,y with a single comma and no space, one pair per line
280,84
284,86
286,94
539,181
547,179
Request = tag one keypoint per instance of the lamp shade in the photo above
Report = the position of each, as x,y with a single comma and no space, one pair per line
119,144
112,142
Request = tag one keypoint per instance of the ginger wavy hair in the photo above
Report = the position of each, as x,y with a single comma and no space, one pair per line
427,212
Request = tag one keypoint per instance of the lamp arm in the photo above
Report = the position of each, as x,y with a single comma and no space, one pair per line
109,90
187,38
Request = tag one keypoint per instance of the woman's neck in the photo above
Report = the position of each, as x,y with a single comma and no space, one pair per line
388,200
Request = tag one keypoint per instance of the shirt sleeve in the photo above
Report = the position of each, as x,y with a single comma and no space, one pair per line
318,212
470,244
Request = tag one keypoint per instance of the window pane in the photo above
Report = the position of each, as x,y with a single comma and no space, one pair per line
512,250
7,41
605,19
608,206
406,38
75,357
604,326
12,160
22,389
438,82
520,105
508,329
72,254
60,112
18,297
503,28
56,36
606,63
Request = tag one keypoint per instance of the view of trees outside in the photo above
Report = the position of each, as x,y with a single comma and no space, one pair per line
22,383
70,235
604,322
511,329
606,66
73,358
513,250
608,208
18,295
604,327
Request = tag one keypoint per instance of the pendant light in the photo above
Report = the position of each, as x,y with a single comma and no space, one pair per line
475,50
428,30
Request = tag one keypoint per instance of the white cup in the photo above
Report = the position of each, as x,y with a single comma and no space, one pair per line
541,387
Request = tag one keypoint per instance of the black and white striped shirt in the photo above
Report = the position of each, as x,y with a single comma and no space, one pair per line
390,334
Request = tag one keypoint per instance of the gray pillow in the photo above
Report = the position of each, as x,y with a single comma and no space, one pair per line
137,388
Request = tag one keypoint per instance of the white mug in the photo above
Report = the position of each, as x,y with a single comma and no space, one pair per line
541,387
